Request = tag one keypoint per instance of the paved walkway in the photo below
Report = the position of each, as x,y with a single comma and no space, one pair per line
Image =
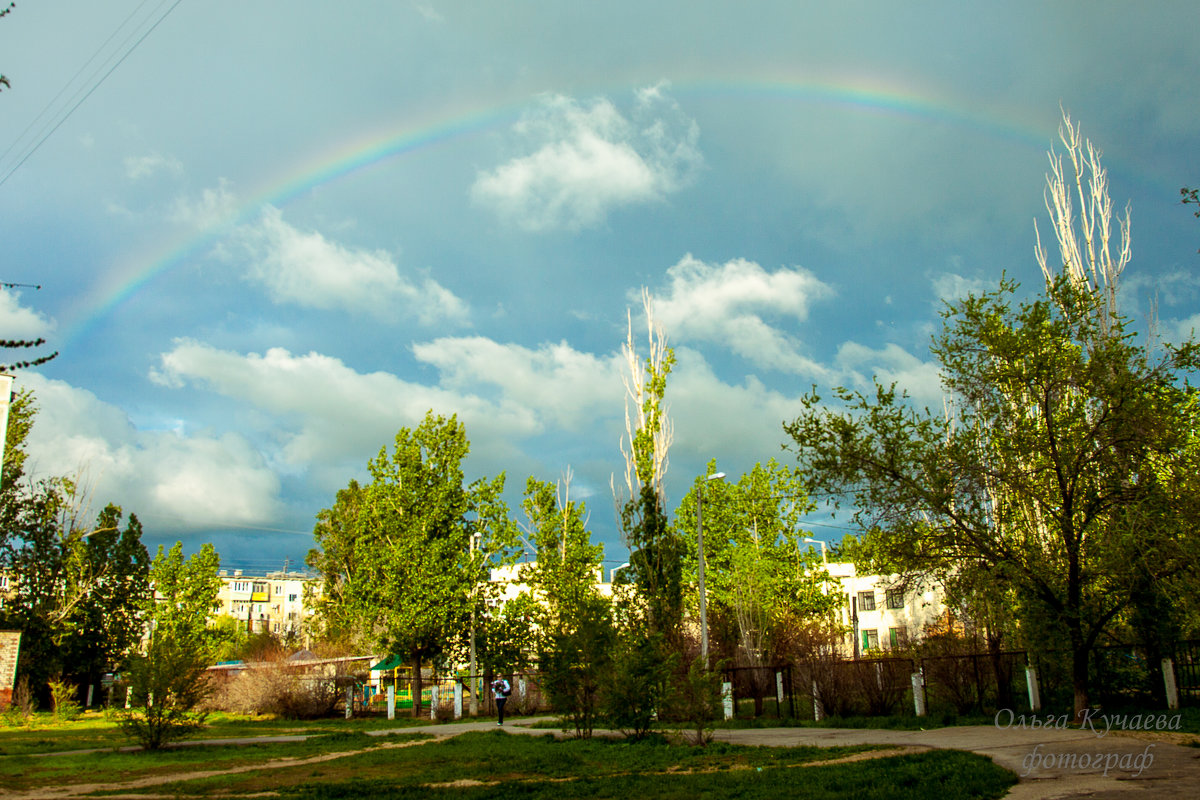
1049,763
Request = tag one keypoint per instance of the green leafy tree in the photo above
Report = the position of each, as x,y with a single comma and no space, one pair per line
1064,432
185,595
398,551
761,581
79,587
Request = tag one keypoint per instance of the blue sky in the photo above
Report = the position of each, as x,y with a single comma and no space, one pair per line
278,232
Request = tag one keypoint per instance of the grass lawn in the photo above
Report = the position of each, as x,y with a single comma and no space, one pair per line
43,734
23,772
496,764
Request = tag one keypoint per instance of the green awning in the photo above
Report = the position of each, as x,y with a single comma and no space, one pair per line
391,662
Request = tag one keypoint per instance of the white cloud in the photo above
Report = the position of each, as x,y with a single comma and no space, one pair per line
196,481
862,365
20,322
307,269
950,286
326,414
564,386
587,161
137,167
726,303
214,207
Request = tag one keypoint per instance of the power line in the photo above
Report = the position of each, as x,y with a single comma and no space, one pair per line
55,125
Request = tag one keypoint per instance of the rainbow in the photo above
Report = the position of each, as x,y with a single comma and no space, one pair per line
364,152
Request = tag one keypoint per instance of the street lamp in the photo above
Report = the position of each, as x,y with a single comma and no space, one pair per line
473,708
700,560
824,558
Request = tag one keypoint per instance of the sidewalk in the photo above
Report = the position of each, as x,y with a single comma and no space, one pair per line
1049,763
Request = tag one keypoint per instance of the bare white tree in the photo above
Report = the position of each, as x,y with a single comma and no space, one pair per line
1090,257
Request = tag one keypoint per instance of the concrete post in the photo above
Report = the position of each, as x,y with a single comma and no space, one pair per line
818,706
433,702
1168,669
779,691
1035,691
392,701
91,689
349,702
918,684
727,699
128,696
458,698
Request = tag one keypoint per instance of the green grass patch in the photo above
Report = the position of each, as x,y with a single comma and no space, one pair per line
96,730
496,764
108,766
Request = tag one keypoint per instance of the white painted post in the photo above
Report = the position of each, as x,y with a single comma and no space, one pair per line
433,702
1035,692
1168,669
779,692
918,684
392,701
458,698
818,706
91,688
349,702
128,696
727,699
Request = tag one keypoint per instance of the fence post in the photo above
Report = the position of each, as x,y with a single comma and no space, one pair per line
918,684
1168,669
91,688
1035,692
129,696
391,702
779,693
727,699
818,706
349,702
433,702
458,692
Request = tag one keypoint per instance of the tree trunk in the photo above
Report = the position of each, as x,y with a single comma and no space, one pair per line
1079,678
416,688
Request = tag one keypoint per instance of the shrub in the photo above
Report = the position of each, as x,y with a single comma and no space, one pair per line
62,698
167,683
695,700
280,688
637,685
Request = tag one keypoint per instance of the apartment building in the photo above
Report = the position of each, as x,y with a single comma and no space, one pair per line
882,612
270,603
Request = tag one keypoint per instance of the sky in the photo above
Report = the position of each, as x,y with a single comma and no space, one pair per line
269,235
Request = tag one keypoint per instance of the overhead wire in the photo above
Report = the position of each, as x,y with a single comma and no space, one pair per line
54,122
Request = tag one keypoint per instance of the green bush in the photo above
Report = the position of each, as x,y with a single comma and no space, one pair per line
637,686
167,684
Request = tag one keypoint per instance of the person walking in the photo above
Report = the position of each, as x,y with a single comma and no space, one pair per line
500,691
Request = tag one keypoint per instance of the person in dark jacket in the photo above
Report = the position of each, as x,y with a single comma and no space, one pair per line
500,690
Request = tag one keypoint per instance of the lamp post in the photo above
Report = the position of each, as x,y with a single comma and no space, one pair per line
474,700
700,561
824,558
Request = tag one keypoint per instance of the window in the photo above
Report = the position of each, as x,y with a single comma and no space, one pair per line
870,639
241,586
291,598
895,598
866,601
3,581
897,638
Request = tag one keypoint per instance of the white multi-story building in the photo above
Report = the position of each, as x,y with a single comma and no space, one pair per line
882,612
271,603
